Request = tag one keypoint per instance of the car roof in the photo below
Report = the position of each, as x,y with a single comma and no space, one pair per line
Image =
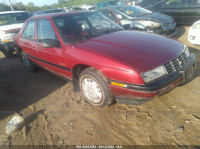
115,6
7,12
51,15
102,2
49,10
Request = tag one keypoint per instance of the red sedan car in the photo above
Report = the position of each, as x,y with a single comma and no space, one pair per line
104,61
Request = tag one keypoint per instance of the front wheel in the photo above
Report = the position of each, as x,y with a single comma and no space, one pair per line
95,88
28,64
7,50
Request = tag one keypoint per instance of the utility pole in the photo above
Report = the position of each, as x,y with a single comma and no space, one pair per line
10,5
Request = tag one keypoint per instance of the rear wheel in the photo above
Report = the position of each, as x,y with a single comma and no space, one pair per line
95,88
28,63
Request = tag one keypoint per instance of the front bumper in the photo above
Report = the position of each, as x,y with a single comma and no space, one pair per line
169,30
171,33
137,94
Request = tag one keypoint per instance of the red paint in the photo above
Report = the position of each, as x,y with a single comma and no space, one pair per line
120,56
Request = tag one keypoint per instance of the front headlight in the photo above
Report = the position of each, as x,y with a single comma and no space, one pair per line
7,37
154,74
186,50
149,23
196,26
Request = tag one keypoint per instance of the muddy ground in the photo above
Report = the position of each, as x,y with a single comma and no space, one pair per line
55,115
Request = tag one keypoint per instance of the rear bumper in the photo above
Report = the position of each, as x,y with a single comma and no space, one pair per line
137,94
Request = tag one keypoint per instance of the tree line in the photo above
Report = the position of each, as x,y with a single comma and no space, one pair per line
30,7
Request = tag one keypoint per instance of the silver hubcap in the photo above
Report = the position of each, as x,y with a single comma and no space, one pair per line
26,62
91,90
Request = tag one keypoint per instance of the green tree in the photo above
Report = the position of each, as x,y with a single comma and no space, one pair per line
81,2
61,3
30,4
19,6
4,7
54,6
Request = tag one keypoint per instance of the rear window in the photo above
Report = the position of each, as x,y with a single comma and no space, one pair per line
13,18
29,31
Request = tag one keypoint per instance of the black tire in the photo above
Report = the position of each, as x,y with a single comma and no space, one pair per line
7,50
28,63
19,52
96,76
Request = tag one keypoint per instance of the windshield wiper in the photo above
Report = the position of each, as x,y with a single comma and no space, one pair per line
91,36
100,34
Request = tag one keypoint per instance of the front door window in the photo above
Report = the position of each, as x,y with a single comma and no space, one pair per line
173,4
45,31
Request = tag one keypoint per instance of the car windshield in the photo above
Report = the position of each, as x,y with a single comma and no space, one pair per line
83,26
13,18
133,11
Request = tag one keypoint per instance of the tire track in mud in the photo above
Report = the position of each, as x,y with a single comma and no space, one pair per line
105,126
118,123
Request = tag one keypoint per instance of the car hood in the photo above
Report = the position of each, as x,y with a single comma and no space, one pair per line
11,28
136,50
157,17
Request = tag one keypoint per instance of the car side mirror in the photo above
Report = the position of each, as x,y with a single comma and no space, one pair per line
119,16
51,43
127,26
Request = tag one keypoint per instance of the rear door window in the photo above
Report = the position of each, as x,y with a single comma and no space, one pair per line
145,3
108,14
119,14
29,31
173,4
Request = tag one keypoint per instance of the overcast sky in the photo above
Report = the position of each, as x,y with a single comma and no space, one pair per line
36,2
